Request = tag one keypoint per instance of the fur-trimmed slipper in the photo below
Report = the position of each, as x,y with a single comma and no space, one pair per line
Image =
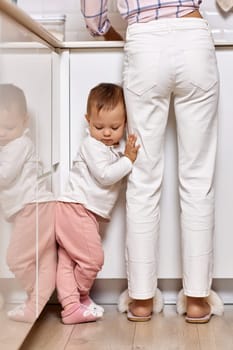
125,300
204,319
214,301
132,317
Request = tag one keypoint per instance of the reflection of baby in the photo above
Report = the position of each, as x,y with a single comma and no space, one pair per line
26,202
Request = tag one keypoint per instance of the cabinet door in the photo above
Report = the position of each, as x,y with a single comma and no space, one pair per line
21,260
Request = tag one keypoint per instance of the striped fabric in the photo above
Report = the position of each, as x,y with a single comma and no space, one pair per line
96,14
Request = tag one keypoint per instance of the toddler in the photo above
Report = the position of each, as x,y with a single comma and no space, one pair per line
92,191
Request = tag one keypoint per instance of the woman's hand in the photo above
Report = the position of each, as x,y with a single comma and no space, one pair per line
112,35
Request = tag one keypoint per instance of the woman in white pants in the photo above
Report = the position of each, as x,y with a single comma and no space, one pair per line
169,51
164,58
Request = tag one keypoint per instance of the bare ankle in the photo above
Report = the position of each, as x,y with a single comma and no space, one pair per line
141,307
197,307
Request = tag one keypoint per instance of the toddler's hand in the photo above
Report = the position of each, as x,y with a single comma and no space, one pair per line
131,149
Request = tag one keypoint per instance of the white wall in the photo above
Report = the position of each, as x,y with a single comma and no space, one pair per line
75,26
220,23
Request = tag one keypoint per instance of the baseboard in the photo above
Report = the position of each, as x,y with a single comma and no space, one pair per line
107,291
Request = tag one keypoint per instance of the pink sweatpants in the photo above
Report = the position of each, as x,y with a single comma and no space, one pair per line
32,253
80,252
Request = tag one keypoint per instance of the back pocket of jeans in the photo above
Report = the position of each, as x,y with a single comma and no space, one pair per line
141,71
201,67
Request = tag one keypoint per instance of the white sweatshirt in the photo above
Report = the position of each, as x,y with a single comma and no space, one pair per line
20,181
96,177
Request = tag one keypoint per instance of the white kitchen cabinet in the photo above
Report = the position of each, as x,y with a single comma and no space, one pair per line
89,67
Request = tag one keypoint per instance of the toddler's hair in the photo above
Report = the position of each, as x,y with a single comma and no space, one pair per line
12,96
105,96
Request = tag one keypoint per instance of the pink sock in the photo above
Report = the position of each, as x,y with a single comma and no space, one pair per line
78,313
88,302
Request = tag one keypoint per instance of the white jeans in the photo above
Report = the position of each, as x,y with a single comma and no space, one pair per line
165,57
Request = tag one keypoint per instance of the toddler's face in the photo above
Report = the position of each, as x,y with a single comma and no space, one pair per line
12,126
107,126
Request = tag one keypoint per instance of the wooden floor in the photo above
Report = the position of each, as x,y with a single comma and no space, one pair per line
12,334
166,331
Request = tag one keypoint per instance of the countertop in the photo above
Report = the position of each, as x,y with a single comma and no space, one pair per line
10,10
